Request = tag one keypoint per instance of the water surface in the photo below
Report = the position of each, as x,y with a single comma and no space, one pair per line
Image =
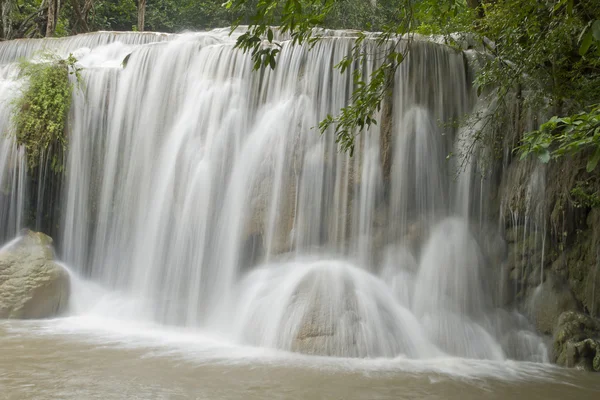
87,358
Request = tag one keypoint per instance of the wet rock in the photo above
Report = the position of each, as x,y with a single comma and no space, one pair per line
323,330
525,256
416,235
252,251
524,345
32,284
493,246
330,308
582,265
548,302
577,341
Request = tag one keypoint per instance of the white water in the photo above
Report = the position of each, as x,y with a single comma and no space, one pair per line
12,165
201,191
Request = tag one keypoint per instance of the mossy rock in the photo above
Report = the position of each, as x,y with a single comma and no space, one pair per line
583,266
577,341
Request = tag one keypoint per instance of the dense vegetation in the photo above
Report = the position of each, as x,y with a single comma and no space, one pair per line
40,112
545,53
29,18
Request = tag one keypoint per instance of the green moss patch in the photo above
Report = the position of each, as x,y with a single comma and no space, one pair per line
41,111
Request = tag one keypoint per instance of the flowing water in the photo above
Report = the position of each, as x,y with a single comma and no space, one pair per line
221,248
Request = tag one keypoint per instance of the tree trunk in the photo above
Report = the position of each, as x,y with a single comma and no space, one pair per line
141,15
52,16
81,13
7,6
87,7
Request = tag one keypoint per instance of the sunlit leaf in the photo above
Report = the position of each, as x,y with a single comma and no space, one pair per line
586,42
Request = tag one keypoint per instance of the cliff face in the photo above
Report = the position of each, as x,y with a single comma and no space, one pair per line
552,227
551,219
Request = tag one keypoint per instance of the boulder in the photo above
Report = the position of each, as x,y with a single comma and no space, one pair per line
577,341
327,308
548,302
328,324
32,284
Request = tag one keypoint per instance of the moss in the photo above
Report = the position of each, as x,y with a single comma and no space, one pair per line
41,111
576,341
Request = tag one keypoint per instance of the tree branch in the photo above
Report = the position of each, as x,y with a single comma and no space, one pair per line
24,27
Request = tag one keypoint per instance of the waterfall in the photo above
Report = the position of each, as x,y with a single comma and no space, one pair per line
13,182
203,189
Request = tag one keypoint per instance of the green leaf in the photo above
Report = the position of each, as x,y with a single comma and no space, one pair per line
270,35
586,42
544,156
596,30
593,161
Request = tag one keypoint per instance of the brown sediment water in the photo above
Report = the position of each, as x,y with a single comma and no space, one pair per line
50,361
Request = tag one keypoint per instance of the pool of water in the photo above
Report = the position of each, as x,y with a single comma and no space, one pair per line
93,358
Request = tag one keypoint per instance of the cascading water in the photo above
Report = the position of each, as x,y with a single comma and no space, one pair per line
202,189
13,182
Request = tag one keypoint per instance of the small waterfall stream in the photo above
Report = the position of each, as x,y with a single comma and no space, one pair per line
203,189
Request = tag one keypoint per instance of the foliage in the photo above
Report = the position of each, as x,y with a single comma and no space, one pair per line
294,17
367,97
547,52
395,19
180,15
538,48
586,194
566,136
299,19
443,17
41,111
23,19
117,15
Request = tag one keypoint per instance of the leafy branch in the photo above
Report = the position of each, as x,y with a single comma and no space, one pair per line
294,17
562,136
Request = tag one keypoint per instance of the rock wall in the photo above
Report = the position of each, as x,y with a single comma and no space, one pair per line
551,217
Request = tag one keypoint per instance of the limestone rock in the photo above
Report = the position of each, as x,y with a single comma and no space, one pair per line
338,310
548,302
32,284
577,341
582,267
321,331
